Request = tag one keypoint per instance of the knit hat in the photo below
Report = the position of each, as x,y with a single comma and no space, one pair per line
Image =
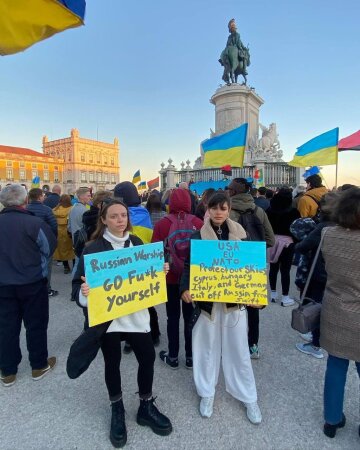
128,193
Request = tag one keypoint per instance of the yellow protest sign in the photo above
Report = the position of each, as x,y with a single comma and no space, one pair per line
124,281
228,272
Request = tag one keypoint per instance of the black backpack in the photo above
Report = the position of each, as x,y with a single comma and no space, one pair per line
252,225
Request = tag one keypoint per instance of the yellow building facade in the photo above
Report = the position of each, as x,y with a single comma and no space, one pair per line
71,162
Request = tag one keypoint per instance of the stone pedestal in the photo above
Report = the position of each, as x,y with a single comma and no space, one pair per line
235,105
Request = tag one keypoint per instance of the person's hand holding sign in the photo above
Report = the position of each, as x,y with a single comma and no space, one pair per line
166,268
186,296
85,288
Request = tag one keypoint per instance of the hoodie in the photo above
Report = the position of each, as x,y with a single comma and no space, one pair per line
281,214
179,203
243,202
307,206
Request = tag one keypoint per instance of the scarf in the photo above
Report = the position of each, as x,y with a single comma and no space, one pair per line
236,231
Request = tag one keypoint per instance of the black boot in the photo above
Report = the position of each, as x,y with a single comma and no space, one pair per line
118,436
330,430
149,415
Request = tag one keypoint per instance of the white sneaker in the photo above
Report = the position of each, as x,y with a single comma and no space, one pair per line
307,336
206,406
253,413
273,296
287,301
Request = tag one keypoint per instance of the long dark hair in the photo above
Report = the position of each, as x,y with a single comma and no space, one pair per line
104,206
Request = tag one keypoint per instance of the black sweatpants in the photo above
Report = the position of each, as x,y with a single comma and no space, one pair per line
28,303
143,347
284,264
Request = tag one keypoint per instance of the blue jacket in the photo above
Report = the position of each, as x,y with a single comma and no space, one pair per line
26,243
45,213
52,200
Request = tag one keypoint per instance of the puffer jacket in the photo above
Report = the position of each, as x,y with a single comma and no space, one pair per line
45,213
244,202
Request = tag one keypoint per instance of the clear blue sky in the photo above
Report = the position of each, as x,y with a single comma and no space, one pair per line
145,71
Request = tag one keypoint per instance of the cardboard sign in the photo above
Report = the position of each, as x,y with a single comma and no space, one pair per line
228,272
124,281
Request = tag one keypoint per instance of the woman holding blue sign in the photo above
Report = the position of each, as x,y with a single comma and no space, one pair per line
220,333
112,233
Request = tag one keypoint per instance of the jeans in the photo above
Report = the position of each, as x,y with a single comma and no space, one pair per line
28,303
144,351
173,309
335,379
284,264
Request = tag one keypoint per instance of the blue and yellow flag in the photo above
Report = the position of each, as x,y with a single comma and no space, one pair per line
319,151
35,183
24,22
136,177
227,148
141,223
142,185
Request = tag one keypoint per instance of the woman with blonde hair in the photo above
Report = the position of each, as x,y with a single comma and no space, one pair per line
64,251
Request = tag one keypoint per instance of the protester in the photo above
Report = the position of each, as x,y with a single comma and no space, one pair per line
269,194
26,244
258,228
201,208
309,202
261,199
64,251
90,216
298,192
220,333
53,198
36,206
153,205
194,202
112,232
142,228
178,219
281,215
316,288
340,316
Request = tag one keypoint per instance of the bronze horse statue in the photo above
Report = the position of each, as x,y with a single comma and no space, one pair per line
235,62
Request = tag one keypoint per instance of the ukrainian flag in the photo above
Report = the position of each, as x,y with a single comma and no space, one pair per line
25,22
319,151
136,177
227,148
141,223
142,185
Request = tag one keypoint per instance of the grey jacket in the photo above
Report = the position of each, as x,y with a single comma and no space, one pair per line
243,202
75,218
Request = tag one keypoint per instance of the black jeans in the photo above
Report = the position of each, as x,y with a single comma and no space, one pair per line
284,264
154,323
143,347
28,303
173,309
253,326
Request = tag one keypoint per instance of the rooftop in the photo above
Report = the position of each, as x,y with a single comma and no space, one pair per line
21,151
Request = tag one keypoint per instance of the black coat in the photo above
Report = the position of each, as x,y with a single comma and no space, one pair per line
281,214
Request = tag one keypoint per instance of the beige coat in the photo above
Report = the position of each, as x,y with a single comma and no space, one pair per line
340,315
64,250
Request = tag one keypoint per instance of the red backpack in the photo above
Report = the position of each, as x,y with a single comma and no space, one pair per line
177,244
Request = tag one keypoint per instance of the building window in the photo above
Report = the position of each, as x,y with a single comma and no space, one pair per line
22,164
99,176
56,168
9,174
98,158
91,158
46,167
106,177
91,177
46,175
34,174
9,164
105,159
112,160
113,178
22,174
82,157
56,175
34,166
83,176
69,157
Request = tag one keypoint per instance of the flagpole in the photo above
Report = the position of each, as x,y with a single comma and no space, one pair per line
337,164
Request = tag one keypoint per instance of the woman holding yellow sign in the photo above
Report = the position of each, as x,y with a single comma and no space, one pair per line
220,333
112,233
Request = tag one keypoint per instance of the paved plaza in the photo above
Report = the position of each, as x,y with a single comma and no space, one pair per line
59,413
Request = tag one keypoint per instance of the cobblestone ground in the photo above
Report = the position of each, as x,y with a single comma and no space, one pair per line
59,413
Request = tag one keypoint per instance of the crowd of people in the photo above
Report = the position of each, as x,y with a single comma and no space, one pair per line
51,228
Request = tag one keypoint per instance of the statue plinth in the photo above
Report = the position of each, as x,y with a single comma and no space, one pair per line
234,105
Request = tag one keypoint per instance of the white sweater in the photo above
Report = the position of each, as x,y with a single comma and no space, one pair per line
138,322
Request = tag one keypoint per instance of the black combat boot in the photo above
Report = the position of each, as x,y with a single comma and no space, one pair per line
118,436
149,415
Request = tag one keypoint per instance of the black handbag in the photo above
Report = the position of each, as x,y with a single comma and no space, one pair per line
306,317
84,349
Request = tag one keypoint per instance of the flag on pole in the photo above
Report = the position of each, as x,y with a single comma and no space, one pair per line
136,177
311,171
351,142
321,150
35,183
24,23
259,178
226,170
152,184
227,148
142,185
